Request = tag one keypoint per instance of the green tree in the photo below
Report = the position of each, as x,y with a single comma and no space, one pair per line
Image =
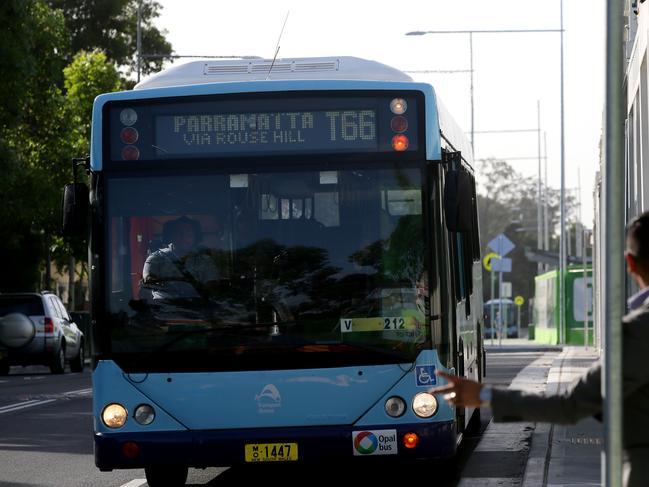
89,75
507,203
31,43
111,26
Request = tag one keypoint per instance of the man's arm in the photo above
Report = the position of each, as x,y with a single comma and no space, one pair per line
581,400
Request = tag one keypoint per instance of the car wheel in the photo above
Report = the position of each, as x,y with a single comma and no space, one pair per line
77,363
58,362
166,476
4,367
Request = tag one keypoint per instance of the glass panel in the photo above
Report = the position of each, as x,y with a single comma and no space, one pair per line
27,305
286,261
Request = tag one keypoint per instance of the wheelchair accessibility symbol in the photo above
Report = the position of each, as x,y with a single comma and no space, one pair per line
425,375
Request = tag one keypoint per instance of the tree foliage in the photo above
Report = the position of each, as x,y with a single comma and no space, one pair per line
45,120
89,74
111,26
33,38
507,203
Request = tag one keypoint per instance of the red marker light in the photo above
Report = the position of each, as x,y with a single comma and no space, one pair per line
129,135
399,124
399,143
130,450
410,440
130,153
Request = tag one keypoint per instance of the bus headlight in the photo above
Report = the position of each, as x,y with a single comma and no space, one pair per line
114,415
424,405
144,414
395,406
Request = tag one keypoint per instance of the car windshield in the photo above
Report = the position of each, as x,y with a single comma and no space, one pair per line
27,305
269,264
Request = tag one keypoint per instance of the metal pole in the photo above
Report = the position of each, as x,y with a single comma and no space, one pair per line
491,306
585,290
139,39
500,293
614,237
518,327
562,206
546,216
539,203
500,308
472,106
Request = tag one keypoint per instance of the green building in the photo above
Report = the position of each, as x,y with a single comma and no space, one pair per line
578,309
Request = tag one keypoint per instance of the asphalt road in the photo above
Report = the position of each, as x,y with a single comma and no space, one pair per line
46,438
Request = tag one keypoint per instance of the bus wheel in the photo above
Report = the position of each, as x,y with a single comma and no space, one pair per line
166,476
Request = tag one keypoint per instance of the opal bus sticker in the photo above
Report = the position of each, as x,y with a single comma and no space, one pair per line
378,442
386,323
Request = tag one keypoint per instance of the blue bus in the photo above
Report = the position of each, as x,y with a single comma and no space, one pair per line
330,265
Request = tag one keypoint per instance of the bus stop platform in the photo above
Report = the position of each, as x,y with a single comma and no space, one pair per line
549,455
566,455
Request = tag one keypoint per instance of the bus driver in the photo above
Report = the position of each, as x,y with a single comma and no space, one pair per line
180,270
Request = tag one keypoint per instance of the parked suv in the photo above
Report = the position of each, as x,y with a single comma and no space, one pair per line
35,328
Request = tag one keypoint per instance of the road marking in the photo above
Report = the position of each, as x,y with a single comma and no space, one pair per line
22,405
35,402
134,483
79,392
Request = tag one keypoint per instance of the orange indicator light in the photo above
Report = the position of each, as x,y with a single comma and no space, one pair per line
399,143
410,440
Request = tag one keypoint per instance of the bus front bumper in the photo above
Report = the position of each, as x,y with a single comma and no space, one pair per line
227,447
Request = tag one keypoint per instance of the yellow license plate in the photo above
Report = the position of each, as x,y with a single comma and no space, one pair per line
271,452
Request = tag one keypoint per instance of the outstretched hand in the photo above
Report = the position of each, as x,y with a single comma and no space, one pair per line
459,391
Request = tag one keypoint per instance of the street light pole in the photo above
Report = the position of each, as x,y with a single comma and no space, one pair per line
472,100
539,203
613,232
562,208
470,33
139,39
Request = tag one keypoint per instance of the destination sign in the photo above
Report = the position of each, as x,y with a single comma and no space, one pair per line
254,125
203,133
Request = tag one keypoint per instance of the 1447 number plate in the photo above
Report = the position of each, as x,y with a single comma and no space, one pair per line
271,452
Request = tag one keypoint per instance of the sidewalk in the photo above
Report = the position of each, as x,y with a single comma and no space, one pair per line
547,455
566,455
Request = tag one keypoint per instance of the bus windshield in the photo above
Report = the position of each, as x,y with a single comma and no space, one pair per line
251,271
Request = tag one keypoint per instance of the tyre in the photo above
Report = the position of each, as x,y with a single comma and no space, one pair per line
57,366
166,476
4,367
475,423
77,363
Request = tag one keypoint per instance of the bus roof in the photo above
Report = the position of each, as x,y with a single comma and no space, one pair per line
322,73
209,71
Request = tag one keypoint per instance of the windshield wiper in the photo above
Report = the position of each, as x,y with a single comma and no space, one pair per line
224,329
399,357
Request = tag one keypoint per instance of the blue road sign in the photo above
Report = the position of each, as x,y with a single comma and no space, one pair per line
501,245
501,265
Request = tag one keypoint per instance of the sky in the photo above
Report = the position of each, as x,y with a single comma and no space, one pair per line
516,76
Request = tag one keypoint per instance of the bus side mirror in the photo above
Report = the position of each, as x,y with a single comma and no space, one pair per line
75,210
457,201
